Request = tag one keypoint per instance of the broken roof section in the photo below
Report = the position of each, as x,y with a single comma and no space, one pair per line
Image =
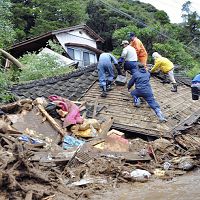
83,85
61,60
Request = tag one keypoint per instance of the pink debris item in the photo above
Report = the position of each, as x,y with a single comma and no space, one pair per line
73,116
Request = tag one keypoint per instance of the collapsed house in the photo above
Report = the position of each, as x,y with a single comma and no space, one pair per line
80,43
36,159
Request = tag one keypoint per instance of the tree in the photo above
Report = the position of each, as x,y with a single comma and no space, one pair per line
34,17
7,34
191,28
162,17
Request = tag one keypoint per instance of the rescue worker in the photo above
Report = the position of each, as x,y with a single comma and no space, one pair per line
166,66
140,49
195,87
106,72
141,79
128,56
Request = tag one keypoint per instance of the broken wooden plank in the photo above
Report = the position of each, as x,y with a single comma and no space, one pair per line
128,156
106,126
51,120
95,107
29,195
186,123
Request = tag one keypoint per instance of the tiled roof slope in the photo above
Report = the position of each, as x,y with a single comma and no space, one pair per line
72,86
119,104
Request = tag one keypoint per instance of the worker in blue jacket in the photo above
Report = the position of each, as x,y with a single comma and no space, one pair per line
106,71
141,79
195,87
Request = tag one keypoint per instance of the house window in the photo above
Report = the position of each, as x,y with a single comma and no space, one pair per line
86,58
82,56
92,58
70,52
77,55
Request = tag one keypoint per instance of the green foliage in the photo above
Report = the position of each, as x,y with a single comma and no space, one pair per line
7,33
55,47
146,35
5,95
40,66
176,52
194,71
162,17
35,17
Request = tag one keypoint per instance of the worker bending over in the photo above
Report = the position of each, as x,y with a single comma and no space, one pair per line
128,56
166,66
106,72
140,49
141,79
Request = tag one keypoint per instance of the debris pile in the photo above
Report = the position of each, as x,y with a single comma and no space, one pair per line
49,149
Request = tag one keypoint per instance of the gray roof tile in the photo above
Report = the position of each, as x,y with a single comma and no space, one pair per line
72,86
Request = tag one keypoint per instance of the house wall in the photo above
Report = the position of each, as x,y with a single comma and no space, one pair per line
76,36
79,37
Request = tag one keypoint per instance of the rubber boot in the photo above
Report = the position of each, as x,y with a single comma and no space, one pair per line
136,101
174,87
104,93
109,85
160,115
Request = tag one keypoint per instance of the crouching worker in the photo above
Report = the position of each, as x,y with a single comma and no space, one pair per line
166,66
141,79
106,72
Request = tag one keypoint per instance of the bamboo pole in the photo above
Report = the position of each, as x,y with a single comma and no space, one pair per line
11,58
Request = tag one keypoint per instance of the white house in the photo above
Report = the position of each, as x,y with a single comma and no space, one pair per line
79,42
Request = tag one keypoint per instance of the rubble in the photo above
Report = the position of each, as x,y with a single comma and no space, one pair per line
41,158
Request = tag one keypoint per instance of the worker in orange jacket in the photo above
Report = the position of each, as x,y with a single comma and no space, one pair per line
140,49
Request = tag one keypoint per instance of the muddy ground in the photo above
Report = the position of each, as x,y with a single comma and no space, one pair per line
184,187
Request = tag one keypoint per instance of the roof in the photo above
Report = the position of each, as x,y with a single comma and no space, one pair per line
40,41
83,85
72,86
119,105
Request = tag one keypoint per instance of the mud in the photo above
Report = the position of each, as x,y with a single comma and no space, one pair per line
183,187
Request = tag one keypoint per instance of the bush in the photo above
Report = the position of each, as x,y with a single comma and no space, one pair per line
194,71
41,66
5,95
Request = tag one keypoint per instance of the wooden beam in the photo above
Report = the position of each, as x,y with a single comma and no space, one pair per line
50,119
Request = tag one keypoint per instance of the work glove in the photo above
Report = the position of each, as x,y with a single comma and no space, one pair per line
120,60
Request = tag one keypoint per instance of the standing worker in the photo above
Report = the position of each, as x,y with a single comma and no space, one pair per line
141,79
106,72
166,66
128,56
140,49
